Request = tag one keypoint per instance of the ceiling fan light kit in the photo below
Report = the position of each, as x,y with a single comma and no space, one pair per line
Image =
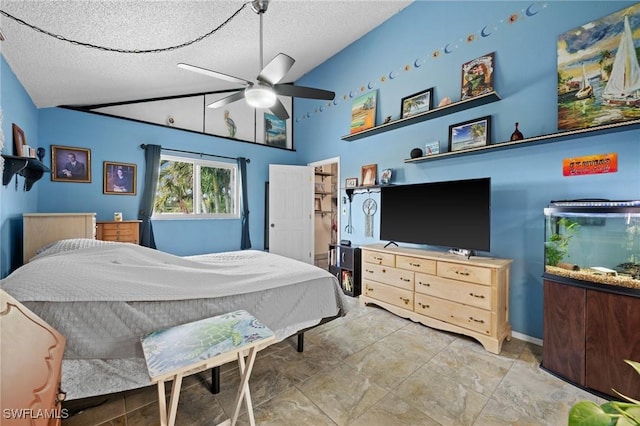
260,96
264,92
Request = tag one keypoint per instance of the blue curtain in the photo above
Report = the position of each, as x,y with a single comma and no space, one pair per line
152,166
245,243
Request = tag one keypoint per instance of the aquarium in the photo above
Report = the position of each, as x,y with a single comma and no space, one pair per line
594,240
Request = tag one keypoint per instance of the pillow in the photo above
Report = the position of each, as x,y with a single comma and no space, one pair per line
61,246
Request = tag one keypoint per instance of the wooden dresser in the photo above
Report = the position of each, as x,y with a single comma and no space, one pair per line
40,229
440,290
126,231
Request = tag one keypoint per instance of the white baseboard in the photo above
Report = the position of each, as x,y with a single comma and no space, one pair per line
526,338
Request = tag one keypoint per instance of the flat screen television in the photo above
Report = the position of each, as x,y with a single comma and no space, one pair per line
455,214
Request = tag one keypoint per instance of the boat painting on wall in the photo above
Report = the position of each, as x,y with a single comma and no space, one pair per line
599,71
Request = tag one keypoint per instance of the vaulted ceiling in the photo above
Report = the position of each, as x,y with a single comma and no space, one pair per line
56,72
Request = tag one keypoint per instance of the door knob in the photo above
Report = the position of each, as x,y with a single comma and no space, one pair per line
273,225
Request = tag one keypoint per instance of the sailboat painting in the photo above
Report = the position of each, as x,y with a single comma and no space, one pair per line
599,71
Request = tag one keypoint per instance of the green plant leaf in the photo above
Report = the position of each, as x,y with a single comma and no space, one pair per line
588,413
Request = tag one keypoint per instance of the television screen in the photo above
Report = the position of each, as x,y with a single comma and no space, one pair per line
453,214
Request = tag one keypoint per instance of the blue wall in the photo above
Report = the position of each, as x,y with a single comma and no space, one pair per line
113,139
18,108
524,179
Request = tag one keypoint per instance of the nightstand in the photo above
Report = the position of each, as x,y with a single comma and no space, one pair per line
126,231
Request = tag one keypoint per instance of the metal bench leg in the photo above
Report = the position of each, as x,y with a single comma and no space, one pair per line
300,342
215,380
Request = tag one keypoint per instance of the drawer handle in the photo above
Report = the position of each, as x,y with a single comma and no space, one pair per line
369,289
417,265
476,320
342,257
377,258
384,271
424,284
369,271
405,279
479,296
423,306
405,300
466,274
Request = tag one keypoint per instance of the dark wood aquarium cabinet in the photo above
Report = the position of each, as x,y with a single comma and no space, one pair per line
589,330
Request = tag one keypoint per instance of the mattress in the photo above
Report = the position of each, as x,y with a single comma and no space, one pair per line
104,297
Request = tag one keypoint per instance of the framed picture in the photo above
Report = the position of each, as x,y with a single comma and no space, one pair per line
470,134
369,174
318,204
432,148
417,103
363,112
385,176
119,178
477,76
275,131
350,182
70,164
598,71
19,141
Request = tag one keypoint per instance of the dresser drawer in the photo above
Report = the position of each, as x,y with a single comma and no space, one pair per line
116,232
112,226
464,316
378,258
416,264
389,294
387,275
456,291
469,273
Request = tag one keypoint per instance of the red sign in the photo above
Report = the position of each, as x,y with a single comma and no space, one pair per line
590,164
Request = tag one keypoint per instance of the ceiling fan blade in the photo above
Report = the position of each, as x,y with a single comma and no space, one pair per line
275,70
214,74
279,111
227,100
303,92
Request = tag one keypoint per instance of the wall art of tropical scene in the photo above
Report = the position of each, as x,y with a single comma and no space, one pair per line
598,71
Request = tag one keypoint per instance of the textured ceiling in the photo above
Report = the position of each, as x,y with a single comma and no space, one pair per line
56,72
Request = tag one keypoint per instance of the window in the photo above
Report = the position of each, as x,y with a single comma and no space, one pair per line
195,188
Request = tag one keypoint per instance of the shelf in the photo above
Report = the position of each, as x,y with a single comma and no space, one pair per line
427,115
324,174
537,140
363,189
31,168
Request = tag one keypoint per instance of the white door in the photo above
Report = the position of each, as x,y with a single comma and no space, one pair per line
291,211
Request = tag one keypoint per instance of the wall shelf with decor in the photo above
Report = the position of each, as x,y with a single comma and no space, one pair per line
31,168
427,115
363,189
536,140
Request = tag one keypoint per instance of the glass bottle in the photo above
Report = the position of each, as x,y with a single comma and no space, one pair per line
517,135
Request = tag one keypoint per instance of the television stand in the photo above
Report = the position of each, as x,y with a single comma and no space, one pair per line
440,290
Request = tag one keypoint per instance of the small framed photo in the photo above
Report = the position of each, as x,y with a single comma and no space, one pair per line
477,76
385,176
470,134
70,164
119,178
350,182
417,103
369,174
318,204
19,141
432,148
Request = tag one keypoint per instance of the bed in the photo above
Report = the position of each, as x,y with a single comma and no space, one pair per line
103,296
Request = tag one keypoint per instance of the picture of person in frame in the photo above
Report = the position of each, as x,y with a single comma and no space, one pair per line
73,169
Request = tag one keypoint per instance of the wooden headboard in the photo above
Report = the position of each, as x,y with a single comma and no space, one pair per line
40,229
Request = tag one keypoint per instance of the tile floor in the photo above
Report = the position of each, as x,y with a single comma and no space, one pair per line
369,368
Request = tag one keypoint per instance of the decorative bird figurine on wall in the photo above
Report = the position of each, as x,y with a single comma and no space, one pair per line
231,126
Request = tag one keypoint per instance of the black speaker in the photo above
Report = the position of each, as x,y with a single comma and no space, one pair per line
416,152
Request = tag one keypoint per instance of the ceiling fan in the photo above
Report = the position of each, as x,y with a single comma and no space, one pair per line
263,93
